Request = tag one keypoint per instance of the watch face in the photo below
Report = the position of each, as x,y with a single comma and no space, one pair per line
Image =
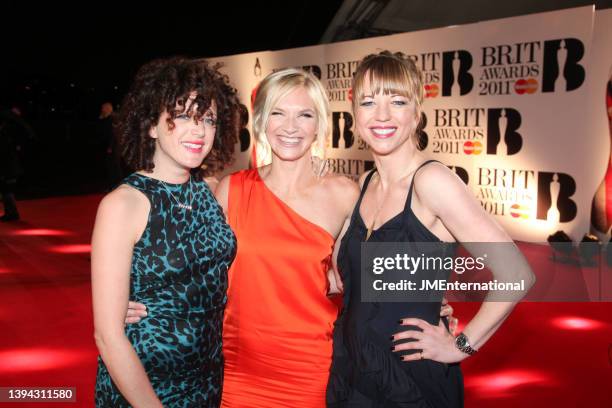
460,341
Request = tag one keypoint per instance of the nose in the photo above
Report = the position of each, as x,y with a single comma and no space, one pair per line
289,124
197,128
382,112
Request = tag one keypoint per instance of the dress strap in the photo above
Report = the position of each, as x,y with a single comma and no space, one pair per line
362,192
409,198
365,184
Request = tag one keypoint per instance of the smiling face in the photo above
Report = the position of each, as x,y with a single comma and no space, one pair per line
385,121
184,145
292,125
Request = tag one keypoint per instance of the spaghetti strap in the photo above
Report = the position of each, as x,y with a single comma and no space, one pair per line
365,184
409,198
362,193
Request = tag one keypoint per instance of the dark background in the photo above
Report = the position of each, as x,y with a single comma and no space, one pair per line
61,61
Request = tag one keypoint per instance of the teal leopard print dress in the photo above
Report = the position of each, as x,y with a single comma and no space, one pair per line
179,271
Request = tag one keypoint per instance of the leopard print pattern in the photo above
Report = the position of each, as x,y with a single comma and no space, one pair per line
179,271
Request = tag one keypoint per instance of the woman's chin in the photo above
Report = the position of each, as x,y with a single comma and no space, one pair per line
382,149
289,154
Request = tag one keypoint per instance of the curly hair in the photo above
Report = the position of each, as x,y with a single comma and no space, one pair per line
390,72
164,85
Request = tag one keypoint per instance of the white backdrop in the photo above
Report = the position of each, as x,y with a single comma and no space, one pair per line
538,80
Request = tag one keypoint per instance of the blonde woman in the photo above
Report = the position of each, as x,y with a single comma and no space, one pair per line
401,354
277,333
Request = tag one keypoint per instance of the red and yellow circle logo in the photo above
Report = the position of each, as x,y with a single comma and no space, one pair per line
526,86
470,147
431,90
519,211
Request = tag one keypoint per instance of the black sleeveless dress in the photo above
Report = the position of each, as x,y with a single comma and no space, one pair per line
365,372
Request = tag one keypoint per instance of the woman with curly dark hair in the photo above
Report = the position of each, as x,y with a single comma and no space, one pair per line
161,239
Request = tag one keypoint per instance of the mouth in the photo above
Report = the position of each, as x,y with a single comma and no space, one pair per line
383,132
289,141
193,147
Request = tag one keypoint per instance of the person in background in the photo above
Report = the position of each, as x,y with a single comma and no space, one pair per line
112,156
14,133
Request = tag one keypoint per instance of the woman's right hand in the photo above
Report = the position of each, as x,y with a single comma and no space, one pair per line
135,312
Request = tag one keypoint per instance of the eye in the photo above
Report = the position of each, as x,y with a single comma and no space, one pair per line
399,102
307,115
275,113
183,116
210,121
366,103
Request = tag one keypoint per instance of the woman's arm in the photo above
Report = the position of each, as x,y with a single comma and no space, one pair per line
345,193
333,275
119,223
440,191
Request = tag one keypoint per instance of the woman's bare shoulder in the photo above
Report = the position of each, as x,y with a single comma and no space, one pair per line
212,182
124,199
341,184
341,189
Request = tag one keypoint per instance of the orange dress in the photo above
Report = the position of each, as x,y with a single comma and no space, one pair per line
277,330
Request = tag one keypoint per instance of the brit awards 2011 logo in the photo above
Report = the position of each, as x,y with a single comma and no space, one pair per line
456,77
474,131
352,168
526,67
503,138
445,73
561,70
554,202
342,135
523,194
338,80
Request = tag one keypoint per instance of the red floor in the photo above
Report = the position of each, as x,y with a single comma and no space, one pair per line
545,355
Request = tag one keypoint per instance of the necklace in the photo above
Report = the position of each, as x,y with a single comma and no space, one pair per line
178,203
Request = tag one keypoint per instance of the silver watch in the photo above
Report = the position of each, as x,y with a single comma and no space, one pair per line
463,344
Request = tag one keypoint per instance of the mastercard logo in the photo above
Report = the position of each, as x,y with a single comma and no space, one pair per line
470,147
350,94
526,86
519,211
431,90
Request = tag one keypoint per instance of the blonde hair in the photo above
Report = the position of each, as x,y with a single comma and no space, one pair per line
276,86
390,73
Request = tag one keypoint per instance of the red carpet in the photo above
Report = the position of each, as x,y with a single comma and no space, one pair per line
545,355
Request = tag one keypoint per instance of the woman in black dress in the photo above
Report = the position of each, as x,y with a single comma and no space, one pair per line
381,358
